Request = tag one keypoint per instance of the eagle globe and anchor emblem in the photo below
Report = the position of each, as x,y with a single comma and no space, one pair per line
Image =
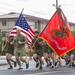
62,33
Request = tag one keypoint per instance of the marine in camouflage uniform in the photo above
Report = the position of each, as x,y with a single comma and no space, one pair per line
38,50
20,48
20,52
8,45
47,54
71,55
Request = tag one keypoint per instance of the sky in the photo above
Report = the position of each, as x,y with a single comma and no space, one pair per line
39,8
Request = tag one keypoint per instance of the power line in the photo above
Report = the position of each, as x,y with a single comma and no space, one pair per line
6,8
6,4
17,7
2,12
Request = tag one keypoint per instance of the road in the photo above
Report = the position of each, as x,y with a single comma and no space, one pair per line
61,70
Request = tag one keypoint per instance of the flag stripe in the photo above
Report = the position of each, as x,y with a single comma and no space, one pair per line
30,37
22,24
26,34
31,32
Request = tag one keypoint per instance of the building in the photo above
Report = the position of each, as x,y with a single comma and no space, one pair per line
72,26
7,21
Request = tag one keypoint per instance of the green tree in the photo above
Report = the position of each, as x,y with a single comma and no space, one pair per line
73,33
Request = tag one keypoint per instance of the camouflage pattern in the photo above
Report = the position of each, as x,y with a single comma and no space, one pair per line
20,51
19,48
38,48
19,38
8,47
71,52
46,47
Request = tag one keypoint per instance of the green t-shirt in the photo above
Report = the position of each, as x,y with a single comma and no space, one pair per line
8,45
18,38
37,46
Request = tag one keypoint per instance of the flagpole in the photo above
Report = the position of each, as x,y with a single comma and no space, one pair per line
56,4
22,10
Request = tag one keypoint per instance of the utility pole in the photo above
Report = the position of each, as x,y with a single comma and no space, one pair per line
56,4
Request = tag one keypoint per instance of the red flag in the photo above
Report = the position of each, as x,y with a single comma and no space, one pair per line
57,34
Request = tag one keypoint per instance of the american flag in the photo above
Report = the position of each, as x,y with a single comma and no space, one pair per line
26,30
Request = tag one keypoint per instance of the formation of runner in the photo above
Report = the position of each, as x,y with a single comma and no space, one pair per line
38,49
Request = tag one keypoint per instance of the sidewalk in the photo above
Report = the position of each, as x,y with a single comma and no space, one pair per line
3,60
